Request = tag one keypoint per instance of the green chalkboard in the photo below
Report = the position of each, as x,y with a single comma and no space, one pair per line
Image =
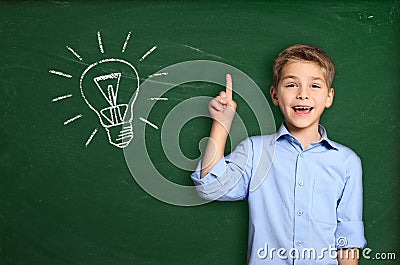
69,193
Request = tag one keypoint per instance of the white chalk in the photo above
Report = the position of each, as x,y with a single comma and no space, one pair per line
74,53
90,137
100,42
157,74
72,119
60,73
148,53
149,123
126,41
158,98
61,97
126,130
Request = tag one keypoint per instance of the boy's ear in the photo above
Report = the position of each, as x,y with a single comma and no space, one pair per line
274,96
329,99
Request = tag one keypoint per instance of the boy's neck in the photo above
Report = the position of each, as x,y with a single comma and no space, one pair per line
305,136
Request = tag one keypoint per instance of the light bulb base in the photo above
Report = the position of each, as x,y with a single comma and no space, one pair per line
120,135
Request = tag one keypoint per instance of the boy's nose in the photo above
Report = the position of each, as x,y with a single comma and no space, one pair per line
302,93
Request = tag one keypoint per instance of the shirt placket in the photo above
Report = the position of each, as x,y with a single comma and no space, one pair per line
303,182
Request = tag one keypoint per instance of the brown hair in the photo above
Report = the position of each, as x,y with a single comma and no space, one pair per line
303,52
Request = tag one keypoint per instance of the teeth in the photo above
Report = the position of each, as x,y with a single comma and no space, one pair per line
302,108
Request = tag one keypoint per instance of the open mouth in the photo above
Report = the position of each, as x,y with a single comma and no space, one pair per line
302,109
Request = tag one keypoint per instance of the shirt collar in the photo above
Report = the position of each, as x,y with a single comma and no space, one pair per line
283,133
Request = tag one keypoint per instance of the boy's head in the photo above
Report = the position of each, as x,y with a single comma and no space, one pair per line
305,53
302,89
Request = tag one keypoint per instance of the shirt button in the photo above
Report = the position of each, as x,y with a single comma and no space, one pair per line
300,213
301,183
301,154
299,243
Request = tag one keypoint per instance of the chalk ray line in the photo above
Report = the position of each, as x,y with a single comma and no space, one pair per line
148,53
61,97
158,98
60,73
100,42
149,123
126,41
157,74
90,137
74,53
72,119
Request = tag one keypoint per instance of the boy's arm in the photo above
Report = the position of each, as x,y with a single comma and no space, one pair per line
222,110
348,256
350,227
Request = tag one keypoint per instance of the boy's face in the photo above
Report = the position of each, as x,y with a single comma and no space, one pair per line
302,94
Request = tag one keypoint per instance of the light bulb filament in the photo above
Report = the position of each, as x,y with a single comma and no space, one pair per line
112,95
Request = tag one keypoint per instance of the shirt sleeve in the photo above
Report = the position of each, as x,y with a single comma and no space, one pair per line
350,227
229,179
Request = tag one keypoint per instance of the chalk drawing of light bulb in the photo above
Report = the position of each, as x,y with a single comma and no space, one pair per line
110,88
107,86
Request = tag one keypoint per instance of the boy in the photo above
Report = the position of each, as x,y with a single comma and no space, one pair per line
310,202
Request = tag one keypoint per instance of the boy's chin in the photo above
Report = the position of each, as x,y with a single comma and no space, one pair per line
301,125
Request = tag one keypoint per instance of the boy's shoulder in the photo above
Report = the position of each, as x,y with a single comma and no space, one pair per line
345,152
343,149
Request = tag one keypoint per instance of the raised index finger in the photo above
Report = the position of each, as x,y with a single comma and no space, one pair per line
228,90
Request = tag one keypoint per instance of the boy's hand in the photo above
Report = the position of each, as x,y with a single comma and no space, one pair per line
222,108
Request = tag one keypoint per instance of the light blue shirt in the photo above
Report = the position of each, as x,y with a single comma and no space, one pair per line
303,204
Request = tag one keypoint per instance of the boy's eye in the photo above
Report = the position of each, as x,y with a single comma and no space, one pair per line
316,86
291,85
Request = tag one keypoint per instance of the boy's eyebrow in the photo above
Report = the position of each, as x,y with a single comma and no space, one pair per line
289,77
295,77
318,78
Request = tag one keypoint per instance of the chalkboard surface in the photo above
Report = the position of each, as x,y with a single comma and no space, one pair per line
67,195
